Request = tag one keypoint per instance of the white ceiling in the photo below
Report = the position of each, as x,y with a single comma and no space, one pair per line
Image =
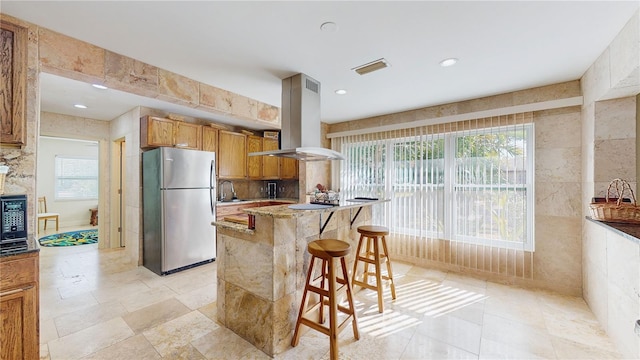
248,47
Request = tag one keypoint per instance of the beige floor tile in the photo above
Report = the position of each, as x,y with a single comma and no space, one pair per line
89,340
452,330
179,332
136,347
84,318
199,297
210,310
48,331
154,315
388,346
424,347
494,350
522,309
138,300
223,342
185,352
52,309
116,292
566,349
437,314
519,336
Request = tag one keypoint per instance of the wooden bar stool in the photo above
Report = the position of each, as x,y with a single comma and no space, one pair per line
327,250
374,236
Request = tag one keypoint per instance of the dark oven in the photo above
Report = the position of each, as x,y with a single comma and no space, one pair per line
14,218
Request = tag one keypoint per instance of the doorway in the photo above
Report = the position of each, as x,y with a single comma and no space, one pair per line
118,190
67,175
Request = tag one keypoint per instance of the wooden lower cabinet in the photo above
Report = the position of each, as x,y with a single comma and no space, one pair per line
19,307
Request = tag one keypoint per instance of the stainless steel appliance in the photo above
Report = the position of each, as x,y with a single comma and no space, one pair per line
300,135
178,206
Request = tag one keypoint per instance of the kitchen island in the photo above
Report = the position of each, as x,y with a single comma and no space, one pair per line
262,271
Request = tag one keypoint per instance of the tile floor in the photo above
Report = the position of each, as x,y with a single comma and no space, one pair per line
95,305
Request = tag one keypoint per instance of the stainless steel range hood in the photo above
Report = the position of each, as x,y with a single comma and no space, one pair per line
300,134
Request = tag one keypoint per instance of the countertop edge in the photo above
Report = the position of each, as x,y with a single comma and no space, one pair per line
32,246
629,231
283,211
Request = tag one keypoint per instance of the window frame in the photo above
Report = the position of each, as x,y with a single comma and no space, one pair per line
449,187
58,177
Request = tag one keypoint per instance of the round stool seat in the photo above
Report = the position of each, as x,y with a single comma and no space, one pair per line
373,230
328,248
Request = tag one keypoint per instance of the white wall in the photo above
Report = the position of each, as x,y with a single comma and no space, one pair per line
72,212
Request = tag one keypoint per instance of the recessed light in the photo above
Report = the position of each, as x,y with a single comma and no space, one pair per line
98,86
448,62
341,91
329,27
80,106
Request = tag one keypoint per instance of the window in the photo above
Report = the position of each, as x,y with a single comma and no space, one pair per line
76,178
472,186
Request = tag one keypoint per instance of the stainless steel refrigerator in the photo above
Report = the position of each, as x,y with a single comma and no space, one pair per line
178,206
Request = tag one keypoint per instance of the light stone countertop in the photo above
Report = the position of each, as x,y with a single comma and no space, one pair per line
283,211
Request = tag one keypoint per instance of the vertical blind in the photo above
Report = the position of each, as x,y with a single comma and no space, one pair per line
460,192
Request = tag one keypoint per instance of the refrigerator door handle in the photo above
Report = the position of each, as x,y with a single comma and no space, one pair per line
212,186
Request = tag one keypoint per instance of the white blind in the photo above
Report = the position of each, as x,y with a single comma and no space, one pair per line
468,183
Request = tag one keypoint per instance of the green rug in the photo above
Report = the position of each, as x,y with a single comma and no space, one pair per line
71,238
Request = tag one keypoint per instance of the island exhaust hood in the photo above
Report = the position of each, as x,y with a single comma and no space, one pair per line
300,134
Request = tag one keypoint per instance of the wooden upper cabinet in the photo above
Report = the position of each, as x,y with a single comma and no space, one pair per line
270,164
188,136
157,131
13,84
254,163
209,139
288,168
232,155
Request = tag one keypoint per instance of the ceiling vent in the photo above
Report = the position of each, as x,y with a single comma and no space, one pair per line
371,67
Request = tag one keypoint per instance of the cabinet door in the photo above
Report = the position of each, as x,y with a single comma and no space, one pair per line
13,83
209,139
232,155
156,132
188,136
18,312
270,164
254,163
288,168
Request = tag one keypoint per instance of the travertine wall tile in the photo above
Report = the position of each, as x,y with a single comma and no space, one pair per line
215,98
615,159
625,49
615,119
69,55
130,75
244,107
177,89
268,113
545,93
557,165
560,128
558,199
558,253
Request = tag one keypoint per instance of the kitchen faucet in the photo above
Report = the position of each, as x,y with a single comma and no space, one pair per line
222,194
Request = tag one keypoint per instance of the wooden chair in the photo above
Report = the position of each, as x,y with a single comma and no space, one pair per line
44,215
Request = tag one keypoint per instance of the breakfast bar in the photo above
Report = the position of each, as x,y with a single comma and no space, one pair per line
261,271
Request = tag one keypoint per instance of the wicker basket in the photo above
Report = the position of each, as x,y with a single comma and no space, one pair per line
616,210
